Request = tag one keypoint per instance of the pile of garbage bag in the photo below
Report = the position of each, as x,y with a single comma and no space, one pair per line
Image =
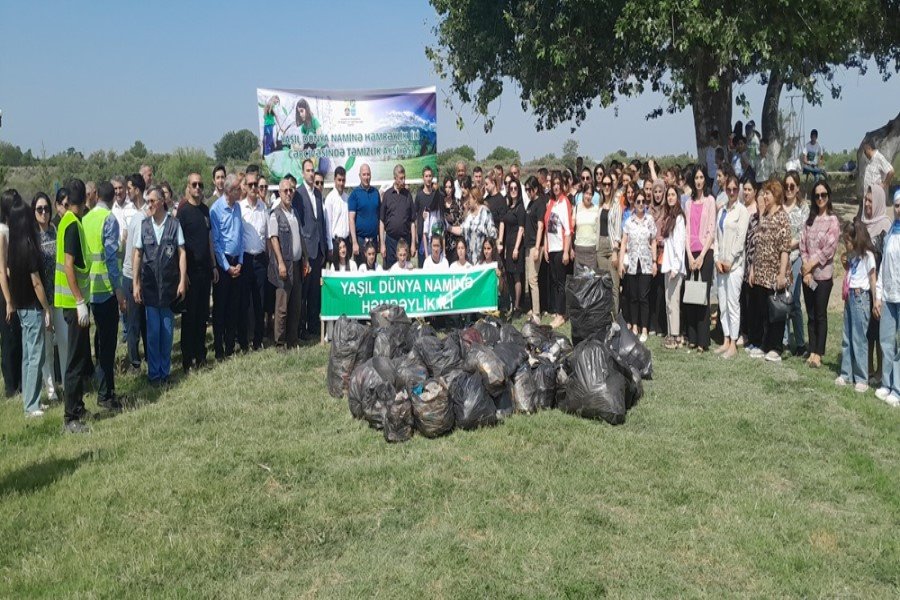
402,378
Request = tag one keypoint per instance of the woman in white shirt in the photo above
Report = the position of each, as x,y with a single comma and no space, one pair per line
639,242
403,263
340,260
461,263
673,233
371,263
436,261
887,308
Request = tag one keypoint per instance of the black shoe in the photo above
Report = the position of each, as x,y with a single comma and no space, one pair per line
76,427
802,351
111,404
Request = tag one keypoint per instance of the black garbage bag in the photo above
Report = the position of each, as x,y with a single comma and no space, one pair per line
634,387
450,357
511,355
398,418
472,406
388,314
562,378
348,338
489,330
589,303
544,375
481,359
503,401
411,372
524,391
468,337
390,341
537,337
628,349
509,333
417,330
371,388
429,349
432,409
596,388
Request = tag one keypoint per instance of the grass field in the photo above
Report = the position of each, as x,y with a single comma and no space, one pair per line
729,478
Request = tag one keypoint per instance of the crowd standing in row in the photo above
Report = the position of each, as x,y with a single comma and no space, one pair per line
127,249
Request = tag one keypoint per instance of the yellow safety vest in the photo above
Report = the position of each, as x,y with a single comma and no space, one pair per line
93,231
62,295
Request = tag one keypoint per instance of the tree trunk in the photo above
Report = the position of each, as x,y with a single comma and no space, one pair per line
886,140
711,107
771,126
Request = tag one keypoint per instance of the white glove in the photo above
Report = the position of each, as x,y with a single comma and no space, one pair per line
84,318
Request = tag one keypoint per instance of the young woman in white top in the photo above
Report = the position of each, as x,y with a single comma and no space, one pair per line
436,261
341,260
371,263
732,221
461,263
673,233
403,263
859,262
887,308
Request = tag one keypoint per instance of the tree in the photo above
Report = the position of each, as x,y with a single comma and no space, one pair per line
138,149
504,156
466,152
236,145
567,56
176,167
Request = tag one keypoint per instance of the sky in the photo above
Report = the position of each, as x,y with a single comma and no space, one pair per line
102,74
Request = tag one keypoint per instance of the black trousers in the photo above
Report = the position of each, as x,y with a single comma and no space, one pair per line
77,366
556,299
194,319
312,296
747,319
106,333
638,305
10,350
136,318
766,335
228,320
817,314
255,270
696,316
657,300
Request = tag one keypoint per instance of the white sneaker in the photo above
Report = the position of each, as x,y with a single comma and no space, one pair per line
861,387
882,393
643,338
52,397
773,356
740,341
893,400
840,381
34,414
757,353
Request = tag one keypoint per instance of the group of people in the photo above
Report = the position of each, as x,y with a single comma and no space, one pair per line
127,251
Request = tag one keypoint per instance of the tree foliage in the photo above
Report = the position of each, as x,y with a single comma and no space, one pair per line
465,152
236,145
504,156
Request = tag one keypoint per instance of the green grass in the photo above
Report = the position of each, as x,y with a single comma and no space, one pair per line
730,478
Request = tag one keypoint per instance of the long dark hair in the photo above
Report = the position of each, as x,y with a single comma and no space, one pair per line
860,242
509,196
24,247
302,103
336,255
695,193
814,211
671,213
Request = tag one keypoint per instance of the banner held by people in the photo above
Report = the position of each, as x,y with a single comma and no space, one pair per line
420,294
380,128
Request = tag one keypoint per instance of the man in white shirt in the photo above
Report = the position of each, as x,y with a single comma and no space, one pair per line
256,259
336,214
812,158
122,207
460,178
879,171
765,169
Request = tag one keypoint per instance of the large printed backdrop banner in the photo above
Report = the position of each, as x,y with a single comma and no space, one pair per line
421,294
380,128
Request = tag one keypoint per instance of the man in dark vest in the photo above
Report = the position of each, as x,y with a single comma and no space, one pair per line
309,207
160,269
286,254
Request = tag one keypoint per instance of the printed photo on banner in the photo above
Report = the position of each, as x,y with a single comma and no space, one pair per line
346,129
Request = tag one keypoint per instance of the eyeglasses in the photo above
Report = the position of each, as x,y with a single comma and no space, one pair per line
585,178
607,184
42,210
821,196
197,184
262,186
731,190
251,184
791,186
638,202
319,183
288,190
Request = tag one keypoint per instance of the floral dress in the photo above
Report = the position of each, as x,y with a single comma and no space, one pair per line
476,228
641,233
452,214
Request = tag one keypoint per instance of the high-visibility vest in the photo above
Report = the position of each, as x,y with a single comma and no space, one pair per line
93,231
62,295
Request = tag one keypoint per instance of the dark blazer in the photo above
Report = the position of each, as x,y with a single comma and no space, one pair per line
312,229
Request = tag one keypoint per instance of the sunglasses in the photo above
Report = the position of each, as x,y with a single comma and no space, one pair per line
262,186
821,196
251,184
607,184
731,190
319,183
288,190
638,202
585,178
791,186
197,184
42,210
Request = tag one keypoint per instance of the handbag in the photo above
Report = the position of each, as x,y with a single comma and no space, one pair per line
780,305
695,290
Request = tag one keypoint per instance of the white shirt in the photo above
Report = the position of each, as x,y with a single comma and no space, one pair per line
337,216
123,214
859,272
559,226
813,153
378,268
351,266
134,232
673,249
876,170
296,248
455,266
312,199
397,267
429,265
257,233
158,229
887,288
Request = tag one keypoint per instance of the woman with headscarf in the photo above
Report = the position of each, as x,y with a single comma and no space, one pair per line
874,217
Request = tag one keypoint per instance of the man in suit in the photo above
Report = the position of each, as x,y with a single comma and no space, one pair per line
310,210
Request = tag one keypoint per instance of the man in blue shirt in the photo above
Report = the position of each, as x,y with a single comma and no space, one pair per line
363,207
228,246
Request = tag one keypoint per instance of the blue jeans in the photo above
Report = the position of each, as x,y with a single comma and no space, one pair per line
32,320
160,325
795,318
890,346
855,346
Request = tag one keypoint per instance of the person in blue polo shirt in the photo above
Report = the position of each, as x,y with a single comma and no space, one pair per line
228,246
363,206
